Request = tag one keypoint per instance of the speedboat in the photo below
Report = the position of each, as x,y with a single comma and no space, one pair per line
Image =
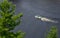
45,19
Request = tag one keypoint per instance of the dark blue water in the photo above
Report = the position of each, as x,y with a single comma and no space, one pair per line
33,27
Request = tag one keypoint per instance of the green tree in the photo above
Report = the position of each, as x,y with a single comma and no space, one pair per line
53,32
8,21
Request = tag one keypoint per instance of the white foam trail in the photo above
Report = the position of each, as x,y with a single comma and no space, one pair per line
46,19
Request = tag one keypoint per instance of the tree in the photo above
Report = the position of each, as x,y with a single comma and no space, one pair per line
52,33
8,21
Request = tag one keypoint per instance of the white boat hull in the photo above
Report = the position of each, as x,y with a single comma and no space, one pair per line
45,19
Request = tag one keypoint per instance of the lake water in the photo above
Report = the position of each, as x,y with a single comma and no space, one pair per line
33,27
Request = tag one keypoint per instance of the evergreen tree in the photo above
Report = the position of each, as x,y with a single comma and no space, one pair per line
8,20
52,33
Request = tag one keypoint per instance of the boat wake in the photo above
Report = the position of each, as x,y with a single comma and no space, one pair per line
46,19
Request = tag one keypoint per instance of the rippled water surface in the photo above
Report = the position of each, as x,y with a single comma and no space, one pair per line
33,27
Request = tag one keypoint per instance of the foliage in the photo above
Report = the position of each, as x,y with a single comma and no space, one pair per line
8,20
52,33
